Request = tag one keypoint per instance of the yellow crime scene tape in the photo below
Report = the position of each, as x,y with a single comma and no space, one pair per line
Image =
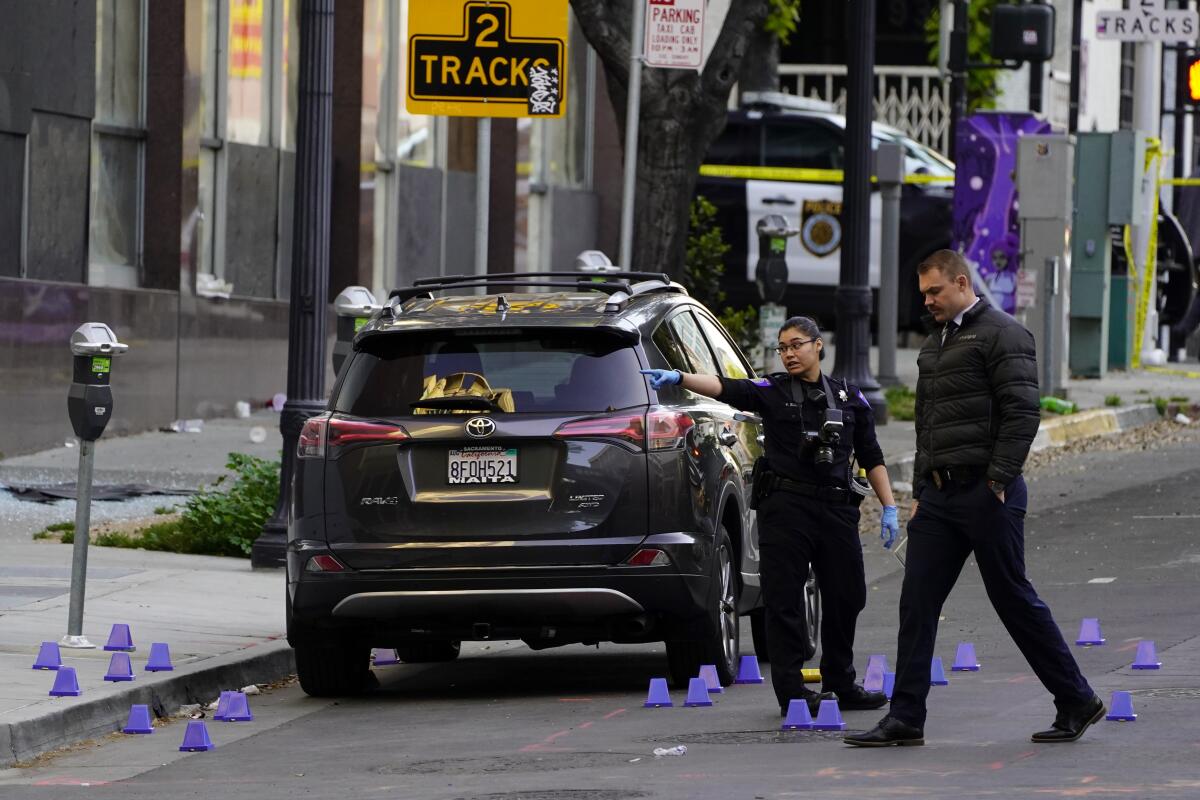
1145,274
1182,373
800,174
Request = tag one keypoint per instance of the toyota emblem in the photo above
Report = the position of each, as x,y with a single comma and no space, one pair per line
481,427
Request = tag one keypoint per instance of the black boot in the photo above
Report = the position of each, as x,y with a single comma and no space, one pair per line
856,698
1070,725
890,732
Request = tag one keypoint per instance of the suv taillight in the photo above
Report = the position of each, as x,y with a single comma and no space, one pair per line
626,427
344,431
667,429
324,433
311,443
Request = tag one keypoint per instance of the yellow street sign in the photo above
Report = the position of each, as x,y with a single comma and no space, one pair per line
487,58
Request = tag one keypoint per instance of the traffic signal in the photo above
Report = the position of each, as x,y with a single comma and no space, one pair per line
1193,78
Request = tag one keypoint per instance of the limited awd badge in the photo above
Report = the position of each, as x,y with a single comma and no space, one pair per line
480,427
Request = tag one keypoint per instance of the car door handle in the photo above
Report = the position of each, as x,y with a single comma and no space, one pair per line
778,201
727,438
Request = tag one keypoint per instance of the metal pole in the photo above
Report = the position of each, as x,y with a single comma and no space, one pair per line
1146,118
853,298
889,279
307,366
83,515
483,177
633,109
1076,37
958,68
1049,340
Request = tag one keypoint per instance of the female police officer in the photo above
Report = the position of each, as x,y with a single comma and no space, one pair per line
807,510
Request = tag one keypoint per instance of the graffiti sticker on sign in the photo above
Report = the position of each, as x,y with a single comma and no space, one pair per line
487,59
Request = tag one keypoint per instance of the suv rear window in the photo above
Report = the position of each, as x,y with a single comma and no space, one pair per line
521,372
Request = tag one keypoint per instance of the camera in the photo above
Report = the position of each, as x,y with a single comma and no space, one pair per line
827,438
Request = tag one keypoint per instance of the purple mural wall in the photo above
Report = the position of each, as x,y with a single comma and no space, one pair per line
986,231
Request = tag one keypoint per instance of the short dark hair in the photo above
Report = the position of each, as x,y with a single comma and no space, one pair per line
806,325
951,263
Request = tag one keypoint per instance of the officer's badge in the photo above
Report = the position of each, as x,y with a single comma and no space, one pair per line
842,395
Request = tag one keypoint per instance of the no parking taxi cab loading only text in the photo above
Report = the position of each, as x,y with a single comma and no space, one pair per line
484,58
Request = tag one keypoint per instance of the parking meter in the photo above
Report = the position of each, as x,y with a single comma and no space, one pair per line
89,404
354,306
771,274
89,401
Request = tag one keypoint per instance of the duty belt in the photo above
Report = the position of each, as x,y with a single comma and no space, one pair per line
949,476
829,494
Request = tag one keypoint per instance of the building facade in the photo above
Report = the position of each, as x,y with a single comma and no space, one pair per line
147,157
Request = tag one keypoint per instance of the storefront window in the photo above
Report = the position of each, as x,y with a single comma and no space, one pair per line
414,132
116,159
248,119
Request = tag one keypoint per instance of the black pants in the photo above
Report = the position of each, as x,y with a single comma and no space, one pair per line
795,531
950,524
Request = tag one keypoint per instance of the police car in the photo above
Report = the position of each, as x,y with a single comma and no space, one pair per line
782,154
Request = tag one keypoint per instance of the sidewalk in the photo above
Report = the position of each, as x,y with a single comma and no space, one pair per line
224,622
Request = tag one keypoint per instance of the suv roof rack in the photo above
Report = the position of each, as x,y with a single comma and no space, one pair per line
620,286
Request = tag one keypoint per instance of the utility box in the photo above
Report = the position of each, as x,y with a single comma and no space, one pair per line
1045,185
1108,189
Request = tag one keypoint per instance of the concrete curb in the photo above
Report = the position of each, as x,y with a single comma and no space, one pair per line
80,719
1059,431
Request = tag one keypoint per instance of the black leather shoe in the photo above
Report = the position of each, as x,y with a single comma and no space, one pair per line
890,732
1070,725
856,698
814,702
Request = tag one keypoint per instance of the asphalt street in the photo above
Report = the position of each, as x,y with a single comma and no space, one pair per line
1111,535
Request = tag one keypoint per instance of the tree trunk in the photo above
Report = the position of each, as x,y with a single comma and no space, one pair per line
760,67
682,112
669,158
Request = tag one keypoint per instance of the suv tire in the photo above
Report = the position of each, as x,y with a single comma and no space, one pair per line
333,671
812,624
719,643
428,652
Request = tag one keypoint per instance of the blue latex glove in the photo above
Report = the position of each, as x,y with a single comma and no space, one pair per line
662,377
889,528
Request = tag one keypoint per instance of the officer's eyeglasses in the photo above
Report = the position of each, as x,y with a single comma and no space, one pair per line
784,348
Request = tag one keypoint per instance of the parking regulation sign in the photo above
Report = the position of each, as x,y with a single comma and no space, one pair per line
674,33
487,58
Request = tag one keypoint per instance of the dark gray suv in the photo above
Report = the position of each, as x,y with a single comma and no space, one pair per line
493,466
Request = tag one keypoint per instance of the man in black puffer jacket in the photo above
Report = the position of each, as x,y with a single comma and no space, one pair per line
977,413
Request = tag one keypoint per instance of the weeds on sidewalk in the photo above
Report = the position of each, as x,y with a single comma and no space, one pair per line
213,522
1112,400
901,403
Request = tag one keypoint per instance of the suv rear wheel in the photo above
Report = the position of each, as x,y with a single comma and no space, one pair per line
333,671
428,652
719,644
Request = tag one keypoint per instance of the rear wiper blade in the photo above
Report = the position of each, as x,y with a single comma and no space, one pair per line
461,403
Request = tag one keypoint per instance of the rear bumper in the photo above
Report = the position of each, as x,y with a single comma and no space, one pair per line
512,602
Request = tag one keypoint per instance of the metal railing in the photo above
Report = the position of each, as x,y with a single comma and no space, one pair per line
914,99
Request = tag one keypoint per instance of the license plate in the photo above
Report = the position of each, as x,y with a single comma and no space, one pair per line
482,465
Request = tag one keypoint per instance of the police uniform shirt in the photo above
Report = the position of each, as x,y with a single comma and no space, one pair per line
784,423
